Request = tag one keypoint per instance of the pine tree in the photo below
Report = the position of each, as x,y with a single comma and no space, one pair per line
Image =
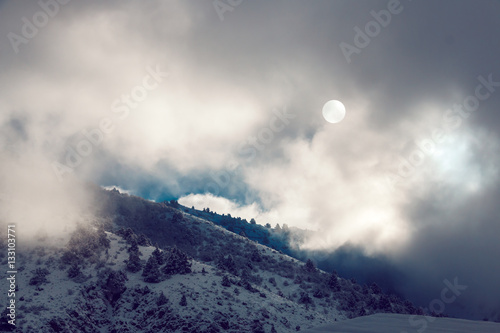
384,303
227,264
310,267
255,256
305,298
375,288
318,293
225,281
151,271
361,312
257,327
177,217
333,282
114,285
128,234
143,240
183,301
231,264
161,299
158,255
409,307
365,289
102,238
133,263
74,271
39,277
176,262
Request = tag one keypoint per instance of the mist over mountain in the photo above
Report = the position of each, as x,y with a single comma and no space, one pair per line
158,266
360,137
152,266
403,276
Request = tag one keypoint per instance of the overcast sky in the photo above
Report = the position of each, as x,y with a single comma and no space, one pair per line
220,104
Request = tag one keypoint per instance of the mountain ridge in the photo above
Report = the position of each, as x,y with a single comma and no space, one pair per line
110,276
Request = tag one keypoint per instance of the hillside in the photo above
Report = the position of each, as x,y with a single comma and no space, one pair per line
108,277
394,323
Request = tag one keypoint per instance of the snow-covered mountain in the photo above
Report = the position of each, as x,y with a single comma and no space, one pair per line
396,323
141,266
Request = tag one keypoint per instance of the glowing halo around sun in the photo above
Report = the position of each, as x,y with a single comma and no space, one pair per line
334,111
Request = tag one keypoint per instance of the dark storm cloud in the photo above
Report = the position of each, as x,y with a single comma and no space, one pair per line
457,237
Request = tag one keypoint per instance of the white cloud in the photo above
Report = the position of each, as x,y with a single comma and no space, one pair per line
328,186
221,205
192,120
118,188
35,202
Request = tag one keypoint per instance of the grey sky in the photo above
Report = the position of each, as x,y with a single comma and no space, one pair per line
210,123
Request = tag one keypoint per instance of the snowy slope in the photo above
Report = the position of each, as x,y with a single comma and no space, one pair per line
395,323
82,305
263,290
